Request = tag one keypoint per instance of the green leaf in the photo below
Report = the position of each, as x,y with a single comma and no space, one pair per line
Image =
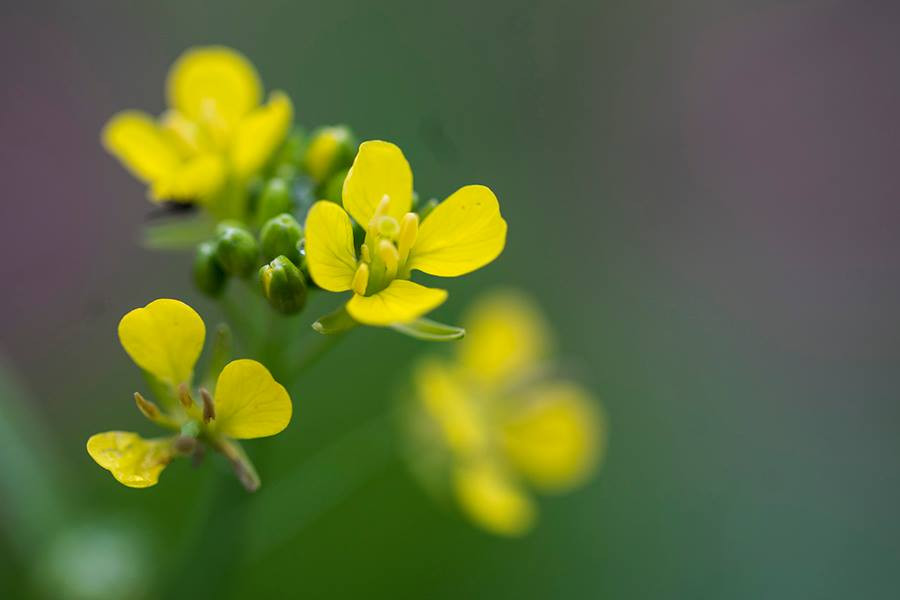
432,331
179,234
336,322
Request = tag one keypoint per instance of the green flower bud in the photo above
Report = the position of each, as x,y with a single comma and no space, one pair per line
283,285
236,250
274,199
292,151
208,274
279,236
330,149
334,188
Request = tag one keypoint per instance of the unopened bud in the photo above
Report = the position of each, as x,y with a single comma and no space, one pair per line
274,199
208,274
334,188
279,237
283,285
292,150
236,250
330,150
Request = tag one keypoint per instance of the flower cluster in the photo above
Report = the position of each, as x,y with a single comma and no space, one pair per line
215,133
494,420
291,214
219,148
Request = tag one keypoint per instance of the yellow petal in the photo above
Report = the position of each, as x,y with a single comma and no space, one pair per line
143,148
189,136
556,439
193,181
213,83
506,336
379,170
492,500
400,302
164,338
329,247
132,460
249,403
462,233
446,402
259,134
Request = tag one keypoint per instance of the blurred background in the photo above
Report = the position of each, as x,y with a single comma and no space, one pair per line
703,196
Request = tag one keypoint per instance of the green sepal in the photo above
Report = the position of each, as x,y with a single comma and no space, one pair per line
240,462
221,354
432,331
337,322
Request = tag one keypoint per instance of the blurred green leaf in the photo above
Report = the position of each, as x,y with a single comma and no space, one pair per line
180,234
31,491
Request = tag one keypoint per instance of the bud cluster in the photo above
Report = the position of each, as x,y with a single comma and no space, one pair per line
268,242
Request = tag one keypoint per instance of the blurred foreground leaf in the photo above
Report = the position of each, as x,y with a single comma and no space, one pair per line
31,494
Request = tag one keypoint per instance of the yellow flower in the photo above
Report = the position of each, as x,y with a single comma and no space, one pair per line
501,422
216,128
462,233
165,339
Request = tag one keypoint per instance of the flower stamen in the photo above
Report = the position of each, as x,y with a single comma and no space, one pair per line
409,230
184,395
209,407
388,253
360,279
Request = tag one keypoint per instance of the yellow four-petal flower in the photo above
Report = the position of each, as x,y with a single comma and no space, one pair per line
502,421
463,233
165,338
215,128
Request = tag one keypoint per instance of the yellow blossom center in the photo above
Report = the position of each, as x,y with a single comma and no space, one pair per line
385,252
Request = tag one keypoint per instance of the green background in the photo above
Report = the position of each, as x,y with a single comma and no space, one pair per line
701,194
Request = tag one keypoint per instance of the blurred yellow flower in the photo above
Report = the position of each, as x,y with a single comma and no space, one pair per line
216,128
461,234
499,422
165,339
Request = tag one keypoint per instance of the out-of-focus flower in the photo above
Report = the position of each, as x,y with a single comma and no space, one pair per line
494,422
165,339
461,234
215,130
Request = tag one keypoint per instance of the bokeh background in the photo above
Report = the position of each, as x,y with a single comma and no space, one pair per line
703,195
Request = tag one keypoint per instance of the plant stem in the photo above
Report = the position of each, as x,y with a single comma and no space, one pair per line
312,489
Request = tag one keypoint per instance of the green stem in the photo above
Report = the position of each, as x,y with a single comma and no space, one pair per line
215,546
310,355
313,489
